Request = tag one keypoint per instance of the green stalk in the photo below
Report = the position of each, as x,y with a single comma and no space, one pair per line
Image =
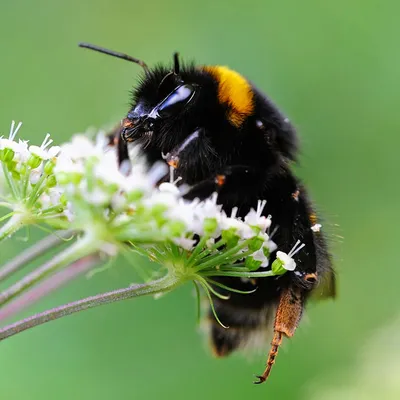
196,251
162,285
37,190
30,254
243,274
215,260
12,225
81,248
10,182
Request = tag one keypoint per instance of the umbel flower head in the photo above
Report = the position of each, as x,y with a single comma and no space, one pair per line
111,209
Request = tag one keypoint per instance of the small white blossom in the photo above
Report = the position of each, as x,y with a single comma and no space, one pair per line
287,259
182,211
42,152
66,165
272,246
316,227
208,208
22,153
10,143
156,172
169,188
185,243
256,219
260,256
55,196
166,199
80,147
108,172
39,152
243,230
35,176
287,262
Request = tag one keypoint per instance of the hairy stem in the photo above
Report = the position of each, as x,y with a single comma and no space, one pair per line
32,253
49,285
83,247
11,226
162,285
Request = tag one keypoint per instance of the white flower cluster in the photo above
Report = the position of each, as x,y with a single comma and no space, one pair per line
88,172
28,173
82,184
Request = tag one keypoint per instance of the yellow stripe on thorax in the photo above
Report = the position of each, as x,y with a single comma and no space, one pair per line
234,91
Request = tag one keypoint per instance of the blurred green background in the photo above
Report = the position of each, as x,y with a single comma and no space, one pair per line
333,67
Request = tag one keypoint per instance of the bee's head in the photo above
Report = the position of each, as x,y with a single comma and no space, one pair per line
160,105
211,115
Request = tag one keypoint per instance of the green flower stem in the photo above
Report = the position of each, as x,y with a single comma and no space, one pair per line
238,267
4,217
16,222
212,261
29,255
197,250
243,274
57,208
10,182
25,183
204,252
162,285
81,248
60,278
37,190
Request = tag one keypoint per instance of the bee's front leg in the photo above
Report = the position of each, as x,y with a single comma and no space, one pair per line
236,185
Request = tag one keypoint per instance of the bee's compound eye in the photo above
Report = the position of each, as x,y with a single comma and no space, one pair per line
176,101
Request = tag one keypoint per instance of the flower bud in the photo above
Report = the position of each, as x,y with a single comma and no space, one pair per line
252,264
34,161
176,228
230,236
210,225
277,267
49,167
7,155
255,243
51,181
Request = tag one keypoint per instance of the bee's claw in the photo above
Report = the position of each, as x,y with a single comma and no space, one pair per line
261,379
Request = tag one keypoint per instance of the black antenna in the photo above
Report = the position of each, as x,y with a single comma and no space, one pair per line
115,54
176,63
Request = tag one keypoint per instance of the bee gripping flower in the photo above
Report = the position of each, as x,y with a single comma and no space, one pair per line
80,186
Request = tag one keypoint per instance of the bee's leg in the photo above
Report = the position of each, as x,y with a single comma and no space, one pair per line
287,318
226,182
123,155
173,158
115,139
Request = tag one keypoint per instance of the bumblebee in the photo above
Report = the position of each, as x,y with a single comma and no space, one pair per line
223,135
